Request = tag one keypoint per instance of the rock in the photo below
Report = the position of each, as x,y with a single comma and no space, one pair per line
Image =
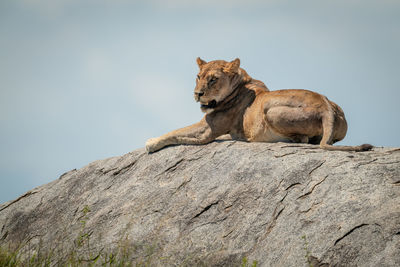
220,204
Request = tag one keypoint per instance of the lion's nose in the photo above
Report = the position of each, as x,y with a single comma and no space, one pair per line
199,94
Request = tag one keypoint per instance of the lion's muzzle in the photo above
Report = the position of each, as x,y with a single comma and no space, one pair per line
211,104
197,95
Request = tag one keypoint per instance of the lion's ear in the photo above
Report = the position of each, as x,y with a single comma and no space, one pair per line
200,62
232,66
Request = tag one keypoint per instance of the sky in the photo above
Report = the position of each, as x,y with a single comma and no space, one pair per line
87,80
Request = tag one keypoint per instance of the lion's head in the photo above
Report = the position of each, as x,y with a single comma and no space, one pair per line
215,82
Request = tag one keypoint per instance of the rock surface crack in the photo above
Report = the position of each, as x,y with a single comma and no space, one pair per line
125,168
204,209
365,163
316,167
349,232
18,199
173,167
312,189
292,185
284,155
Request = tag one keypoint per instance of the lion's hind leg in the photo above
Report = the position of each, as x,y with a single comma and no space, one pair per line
296,123
298,138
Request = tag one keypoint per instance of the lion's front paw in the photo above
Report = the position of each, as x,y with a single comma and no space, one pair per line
152,145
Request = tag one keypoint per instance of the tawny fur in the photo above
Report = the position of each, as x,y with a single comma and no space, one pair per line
236,104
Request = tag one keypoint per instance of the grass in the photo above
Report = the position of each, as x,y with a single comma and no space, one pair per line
245,263
80,252
307,251
8,258
122,258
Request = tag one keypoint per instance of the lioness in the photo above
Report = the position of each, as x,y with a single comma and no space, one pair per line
236,104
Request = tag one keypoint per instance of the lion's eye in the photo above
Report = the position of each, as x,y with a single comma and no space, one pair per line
213,80
198,77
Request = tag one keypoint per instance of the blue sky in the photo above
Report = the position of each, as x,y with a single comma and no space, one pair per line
86,80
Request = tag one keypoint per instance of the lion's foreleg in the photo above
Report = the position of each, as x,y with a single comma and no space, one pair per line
196,134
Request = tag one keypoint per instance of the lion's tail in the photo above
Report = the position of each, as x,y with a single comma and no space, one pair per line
328,124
